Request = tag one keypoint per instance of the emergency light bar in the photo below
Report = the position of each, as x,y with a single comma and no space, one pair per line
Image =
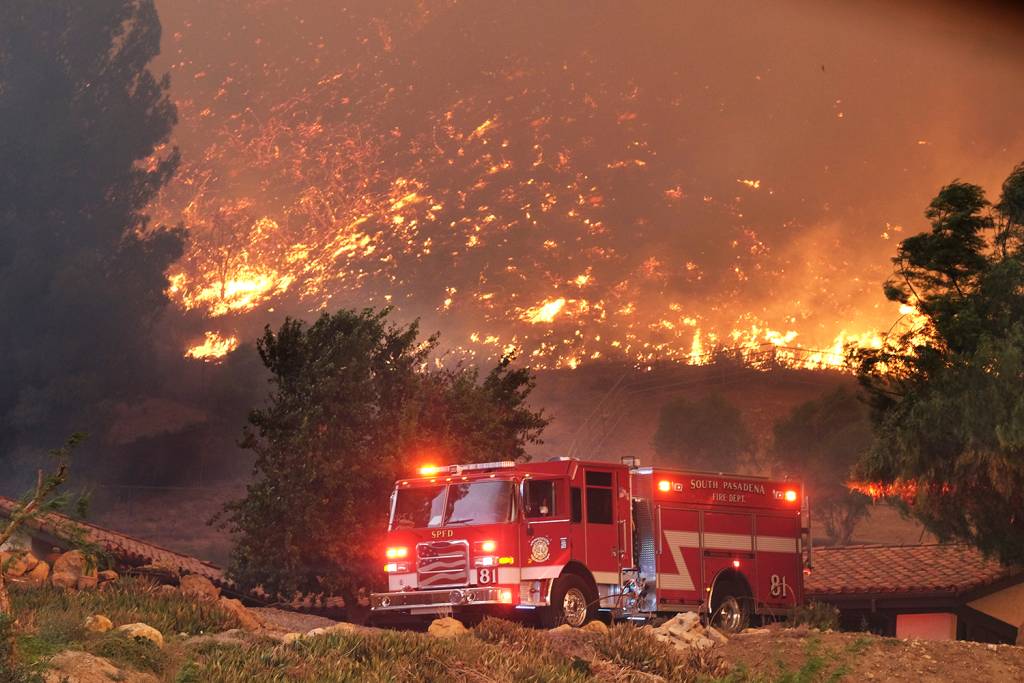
430,470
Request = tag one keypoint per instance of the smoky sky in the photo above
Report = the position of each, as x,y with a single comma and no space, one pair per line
663,167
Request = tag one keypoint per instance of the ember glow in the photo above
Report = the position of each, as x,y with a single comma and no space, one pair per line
535,190
213,348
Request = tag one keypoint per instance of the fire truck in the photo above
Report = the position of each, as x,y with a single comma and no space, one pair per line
565,539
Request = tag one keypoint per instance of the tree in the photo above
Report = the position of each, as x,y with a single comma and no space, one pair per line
353,408
704,434
820,441
946,399
41,500
84,127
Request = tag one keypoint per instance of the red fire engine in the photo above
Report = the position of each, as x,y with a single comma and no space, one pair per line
567,538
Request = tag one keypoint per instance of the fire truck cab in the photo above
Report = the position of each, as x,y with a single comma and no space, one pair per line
567,538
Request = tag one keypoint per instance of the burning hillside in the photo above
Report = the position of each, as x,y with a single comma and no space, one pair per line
614,184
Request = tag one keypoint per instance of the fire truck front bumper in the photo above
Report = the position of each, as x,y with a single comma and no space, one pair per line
451,597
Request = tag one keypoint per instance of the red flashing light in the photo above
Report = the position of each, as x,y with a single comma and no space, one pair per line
664,485
736,564
397,553
790,496
429,470
488,546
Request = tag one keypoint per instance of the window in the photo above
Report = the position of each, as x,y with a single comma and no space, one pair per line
599,497
479,502
540,498
599,505
418,508
577,505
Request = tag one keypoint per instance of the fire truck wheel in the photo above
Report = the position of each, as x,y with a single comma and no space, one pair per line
573,602
731,609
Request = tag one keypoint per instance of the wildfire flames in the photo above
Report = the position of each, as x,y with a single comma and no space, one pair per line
540,200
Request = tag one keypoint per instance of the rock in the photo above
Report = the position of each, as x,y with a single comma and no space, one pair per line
140,630
64,580
200,587
38,576
563,628
17,563
248,620
108,575
289,638
1020,635
446,627
686,631
595,627
72,566
98,623
81,667
166,589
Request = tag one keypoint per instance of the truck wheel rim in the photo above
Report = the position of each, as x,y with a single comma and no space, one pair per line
730,615
574,607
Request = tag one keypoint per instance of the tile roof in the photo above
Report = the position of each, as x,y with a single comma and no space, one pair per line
903,569
126,549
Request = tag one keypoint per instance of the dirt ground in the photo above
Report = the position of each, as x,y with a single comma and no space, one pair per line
860,657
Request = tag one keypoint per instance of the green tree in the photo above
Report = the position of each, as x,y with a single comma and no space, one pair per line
820,441
353,408
946,395
84,127
705,434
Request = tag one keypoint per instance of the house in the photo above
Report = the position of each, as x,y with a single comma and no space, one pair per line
930,591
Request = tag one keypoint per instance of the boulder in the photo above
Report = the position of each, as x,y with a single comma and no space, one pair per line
248,619
340,627
685,631
140,630
446,627
81,667
595,627
561,629
199,587
65,580
17,563
38,576
98,623
72,566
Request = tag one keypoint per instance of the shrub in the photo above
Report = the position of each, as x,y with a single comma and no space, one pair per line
820,615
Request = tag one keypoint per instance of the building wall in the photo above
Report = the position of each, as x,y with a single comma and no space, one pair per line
1006,605
929,626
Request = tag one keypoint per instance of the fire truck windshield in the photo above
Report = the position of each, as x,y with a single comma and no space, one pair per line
479,502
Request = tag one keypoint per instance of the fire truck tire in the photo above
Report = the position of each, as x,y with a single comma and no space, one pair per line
573,602
730,608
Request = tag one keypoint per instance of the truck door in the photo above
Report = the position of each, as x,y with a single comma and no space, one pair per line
606,520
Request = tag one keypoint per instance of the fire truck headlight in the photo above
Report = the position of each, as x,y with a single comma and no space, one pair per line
397,553
790,496
488,546
664,485
391,567
486,561
505,596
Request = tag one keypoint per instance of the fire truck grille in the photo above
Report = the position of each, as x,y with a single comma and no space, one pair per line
441,564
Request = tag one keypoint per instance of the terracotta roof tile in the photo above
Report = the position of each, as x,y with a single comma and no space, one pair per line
127,549
930,568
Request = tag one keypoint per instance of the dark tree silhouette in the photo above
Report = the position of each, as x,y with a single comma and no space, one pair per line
947,405
84,127
353,408
707,433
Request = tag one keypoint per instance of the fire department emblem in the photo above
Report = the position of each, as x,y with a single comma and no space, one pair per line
540,549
